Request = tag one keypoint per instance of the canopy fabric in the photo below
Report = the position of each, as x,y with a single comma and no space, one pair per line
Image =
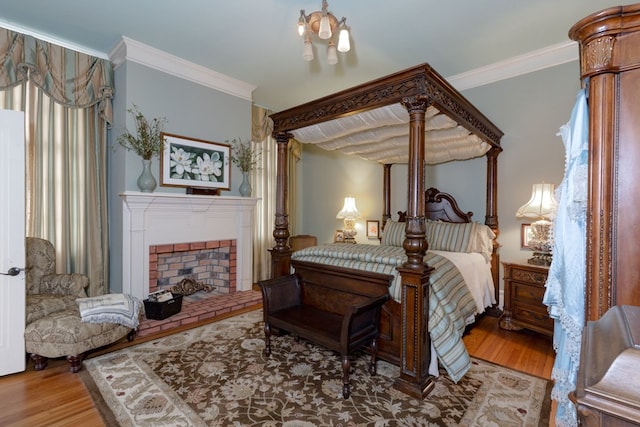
382,135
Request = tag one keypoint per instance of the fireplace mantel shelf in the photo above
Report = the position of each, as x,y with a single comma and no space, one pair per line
140,200
163,218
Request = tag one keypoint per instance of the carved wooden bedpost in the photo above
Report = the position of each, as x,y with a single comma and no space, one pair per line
415,352
491,220
281,253
386,193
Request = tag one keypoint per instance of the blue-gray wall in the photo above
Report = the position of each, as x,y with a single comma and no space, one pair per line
191,110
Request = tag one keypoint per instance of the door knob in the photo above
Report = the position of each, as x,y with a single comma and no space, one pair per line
13,271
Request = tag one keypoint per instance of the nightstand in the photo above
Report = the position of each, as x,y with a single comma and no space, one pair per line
523,293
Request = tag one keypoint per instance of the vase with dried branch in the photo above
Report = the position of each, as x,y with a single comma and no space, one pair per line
147,142
246,156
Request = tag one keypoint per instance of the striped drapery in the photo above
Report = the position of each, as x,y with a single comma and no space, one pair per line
66,96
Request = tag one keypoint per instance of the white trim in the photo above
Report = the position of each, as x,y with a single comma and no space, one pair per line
163,218
540,59
54,40
134,51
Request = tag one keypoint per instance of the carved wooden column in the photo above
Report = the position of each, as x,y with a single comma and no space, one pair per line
415,352
281,253
491,220
386,193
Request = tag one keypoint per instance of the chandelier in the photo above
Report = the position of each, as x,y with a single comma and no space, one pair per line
324,25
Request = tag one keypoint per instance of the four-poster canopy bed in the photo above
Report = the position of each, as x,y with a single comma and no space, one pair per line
415,117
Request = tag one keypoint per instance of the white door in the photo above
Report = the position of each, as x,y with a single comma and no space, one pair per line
12,253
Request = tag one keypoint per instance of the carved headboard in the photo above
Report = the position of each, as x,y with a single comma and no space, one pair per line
441,207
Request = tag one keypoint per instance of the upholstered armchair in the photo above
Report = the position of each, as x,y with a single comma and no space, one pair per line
54,324
48,292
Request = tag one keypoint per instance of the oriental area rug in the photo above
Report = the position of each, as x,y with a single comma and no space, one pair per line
216,375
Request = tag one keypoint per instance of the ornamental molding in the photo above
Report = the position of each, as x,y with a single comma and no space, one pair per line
598,53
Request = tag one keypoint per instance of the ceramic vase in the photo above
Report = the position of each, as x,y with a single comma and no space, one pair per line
245,186
146,182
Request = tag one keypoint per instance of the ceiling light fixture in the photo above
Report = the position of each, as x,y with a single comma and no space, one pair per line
324,25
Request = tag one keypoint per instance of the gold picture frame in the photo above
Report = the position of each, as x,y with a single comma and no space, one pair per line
373,229
526,233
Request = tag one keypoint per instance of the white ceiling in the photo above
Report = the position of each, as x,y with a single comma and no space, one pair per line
256,40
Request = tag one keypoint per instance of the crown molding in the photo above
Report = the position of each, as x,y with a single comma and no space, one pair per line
536,60
130,50
54,40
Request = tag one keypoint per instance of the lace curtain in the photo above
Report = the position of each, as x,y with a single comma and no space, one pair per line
565,287
66,97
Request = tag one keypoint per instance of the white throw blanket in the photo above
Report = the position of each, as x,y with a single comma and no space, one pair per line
123,309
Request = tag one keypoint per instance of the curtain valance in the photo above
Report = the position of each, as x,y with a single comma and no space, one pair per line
70,78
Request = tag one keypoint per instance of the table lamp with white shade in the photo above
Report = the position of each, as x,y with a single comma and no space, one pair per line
541,208
349,214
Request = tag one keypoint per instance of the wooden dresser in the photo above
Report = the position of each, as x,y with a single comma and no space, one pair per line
608,385
523,292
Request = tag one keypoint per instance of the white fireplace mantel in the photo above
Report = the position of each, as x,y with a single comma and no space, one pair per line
166,218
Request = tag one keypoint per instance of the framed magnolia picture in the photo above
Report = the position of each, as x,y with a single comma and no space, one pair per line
194,163
373,229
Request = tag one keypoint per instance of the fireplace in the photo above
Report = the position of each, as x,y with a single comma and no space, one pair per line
212,263
162,220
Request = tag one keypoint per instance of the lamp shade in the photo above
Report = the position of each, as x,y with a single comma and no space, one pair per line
332,54
343,41
349,209
541,205
307,50
325,27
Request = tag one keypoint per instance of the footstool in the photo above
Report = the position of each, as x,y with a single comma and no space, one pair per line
65,334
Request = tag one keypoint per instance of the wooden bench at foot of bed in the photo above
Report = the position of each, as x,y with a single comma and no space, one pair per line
332,317
365,284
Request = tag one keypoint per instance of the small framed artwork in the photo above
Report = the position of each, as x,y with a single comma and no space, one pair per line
194,163
526,233
373,229
338,237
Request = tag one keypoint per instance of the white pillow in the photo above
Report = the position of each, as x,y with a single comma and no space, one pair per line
482,241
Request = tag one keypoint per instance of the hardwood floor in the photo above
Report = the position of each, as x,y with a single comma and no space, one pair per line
55,397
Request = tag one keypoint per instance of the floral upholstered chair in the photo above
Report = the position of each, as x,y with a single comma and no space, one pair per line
54,327
48,292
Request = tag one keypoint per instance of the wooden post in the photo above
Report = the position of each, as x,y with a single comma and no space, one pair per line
491,220
415,352
281,253
386,193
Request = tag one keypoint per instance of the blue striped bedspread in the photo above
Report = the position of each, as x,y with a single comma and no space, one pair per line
451,304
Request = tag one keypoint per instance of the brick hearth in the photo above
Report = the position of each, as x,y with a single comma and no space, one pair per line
198,310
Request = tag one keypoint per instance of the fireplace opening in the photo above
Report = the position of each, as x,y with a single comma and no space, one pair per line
211,263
